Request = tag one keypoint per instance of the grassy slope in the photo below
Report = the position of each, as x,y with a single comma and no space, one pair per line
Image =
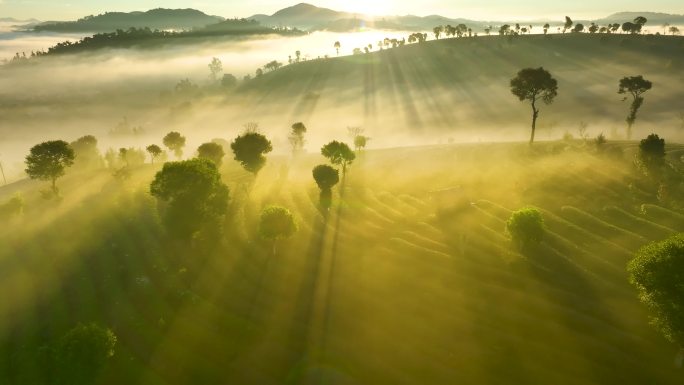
409,280
462,84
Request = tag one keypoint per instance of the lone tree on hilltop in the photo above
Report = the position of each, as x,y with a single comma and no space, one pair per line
326,178
276,223
526,227
635,86
82,353
212,151
337,46
657,273
175,142
249,149
568,24
360,142
49,160
339,154
296,137
154,151
534,85
196,198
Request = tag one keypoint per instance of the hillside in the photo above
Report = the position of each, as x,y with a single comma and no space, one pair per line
162,19
410,278
462,85
655,20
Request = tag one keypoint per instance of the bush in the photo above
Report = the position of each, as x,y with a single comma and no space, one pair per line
526,227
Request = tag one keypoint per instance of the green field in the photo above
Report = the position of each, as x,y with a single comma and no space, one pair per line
410,278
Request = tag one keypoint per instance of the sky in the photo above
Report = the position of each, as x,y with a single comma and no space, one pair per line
480,10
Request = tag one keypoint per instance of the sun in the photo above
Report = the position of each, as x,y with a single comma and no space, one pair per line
368,7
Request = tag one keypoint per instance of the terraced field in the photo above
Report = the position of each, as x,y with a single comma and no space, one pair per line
408,279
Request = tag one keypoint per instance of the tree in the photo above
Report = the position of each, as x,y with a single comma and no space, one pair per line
132,156
631,28
87,156
337,46
296,137
593,28
211,151
49,160
273,65
82,353
215,69
674,30
249,149
438,31
579,27
640,21
229,81
154,151
360,142
259,72
657,273
175,142
196,198
339,154
276,223
526,227
651,155
534,85
326,178
636,86
568,24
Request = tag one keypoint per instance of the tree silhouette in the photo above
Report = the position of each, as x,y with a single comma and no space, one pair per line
339,154
175,142
49,160
154,151
674,30
568,24
87,156
651,155
196,198
326,178
360,142
579,27
215,69
337,46
249,149
82,353
438,31
276,223
534,85
296,137
211,151
229,81
656,272
635,86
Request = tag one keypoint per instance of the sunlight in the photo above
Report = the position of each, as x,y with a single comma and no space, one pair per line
375,8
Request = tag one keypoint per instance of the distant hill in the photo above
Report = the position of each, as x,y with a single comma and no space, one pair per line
162,19
654,19
13,20
304,16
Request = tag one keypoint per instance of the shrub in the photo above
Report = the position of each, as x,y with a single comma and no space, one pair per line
526,227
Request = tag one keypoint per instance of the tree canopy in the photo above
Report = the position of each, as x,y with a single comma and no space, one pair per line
196,197
82,353
526,227
175,142
326,177
635,86
534,85
249,149
657,271
339,154
277,223
212,151
49,160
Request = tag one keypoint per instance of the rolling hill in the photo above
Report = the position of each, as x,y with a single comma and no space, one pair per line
162,19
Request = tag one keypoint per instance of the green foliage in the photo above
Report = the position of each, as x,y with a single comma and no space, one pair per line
657,271
249,149
296,137
82,353
277,223
339,154
212,151
49,160
651,155
12,208
87,156
154,151
325,176
196,197
526,227
360,142
229,81
175,142
132,157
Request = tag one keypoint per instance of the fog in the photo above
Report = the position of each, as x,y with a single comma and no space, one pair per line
454,90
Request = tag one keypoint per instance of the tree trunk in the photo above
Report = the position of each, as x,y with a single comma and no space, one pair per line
274,247
535,115
54,186
3,173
